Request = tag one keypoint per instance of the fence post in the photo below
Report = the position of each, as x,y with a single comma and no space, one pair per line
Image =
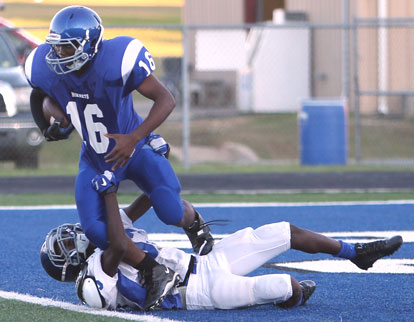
185,99
357,125
345,49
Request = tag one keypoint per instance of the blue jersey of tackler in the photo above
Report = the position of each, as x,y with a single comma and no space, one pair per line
134,291
99,100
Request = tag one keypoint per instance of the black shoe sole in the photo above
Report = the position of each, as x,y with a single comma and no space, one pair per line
308,287
174,281
393,244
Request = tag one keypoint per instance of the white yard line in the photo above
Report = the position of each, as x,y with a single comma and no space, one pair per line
80,308
244,204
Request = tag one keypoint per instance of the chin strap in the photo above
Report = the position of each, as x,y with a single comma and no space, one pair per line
63,277
82,243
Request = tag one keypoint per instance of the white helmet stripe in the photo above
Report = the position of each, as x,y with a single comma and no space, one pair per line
99,40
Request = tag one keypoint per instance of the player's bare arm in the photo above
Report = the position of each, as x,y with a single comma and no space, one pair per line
120,246
118,240
105,184
163,105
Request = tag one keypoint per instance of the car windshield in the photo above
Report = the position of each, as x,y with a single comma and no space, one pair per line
6,56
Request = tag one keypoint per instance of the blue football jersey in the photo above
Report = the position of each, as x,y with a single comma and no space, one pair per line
99,100
126,289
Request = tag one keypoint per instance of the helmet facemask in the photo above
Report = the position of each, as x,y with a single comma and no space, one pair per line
82,47
65,247
65,30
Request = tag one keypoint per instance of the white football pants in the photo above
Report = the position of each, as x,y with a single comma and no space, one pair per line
219,282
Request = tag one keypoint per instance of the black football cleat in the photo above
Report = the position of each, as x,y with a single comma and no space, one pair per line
308,287
369,253
200,236
158,282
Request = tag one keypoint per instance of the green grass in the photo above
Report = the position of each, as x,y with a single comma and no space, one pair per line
110,15
17,311
276,136
272,137
68,199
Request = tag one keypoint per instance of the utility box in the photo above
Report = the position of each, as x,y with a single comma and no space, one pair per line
323,132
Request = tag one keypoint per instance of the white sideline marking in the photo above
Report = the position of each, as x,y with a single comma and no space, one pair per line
181,240
243,204
382,266
47,207
79,308
301,204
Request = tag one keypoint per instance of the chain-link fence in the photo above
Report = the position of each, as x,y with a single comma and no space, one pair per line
270,68
383,83
239,87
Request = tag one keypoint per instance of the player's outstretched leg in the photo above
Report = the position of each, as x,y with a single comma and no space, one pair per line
368,253
200,236
362,255
158,282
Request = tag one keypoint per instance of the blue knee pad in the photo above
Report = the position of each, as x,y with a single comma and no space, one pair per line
167,205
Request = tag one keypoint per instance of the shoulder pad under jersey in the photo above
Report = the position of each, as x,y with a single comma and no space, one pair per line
37,72
126,61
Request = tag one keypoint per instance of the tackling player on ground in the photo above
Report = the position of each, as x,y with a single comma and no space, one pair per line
214,281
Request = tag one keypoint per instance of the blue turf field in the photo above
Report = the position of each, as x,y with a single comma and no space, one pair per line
338,297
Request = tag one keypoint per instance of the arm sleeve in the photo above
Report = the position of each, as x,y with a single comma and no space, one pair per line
137,65
36,106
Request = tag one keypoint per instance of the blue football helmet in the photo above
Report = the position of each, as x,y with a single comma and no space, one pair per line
63,252
75,26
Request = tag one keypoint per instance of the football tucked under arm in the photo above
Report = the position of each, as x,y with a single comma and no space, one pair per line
60,127
52,112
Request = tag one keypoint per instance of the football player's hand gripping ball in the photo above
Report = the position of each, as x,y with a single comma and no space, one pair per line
105,183
56,132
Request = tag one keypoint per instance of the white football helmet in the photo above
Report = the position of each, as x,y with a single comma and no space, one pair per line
63,250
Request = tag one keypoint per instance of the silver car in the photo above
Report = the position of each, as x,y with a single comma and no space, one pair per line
20,139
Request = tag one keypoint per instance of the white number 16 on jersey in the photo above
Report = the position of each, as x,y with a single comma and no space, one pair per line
96,130
144,65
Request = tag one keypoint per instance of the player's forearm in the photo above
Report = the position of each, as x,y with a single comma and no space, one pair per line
157,115
115,229
36,103
164,104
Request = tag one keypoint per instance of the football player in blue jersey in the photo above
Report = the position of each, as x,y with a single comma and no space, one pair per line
214,281
92,80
